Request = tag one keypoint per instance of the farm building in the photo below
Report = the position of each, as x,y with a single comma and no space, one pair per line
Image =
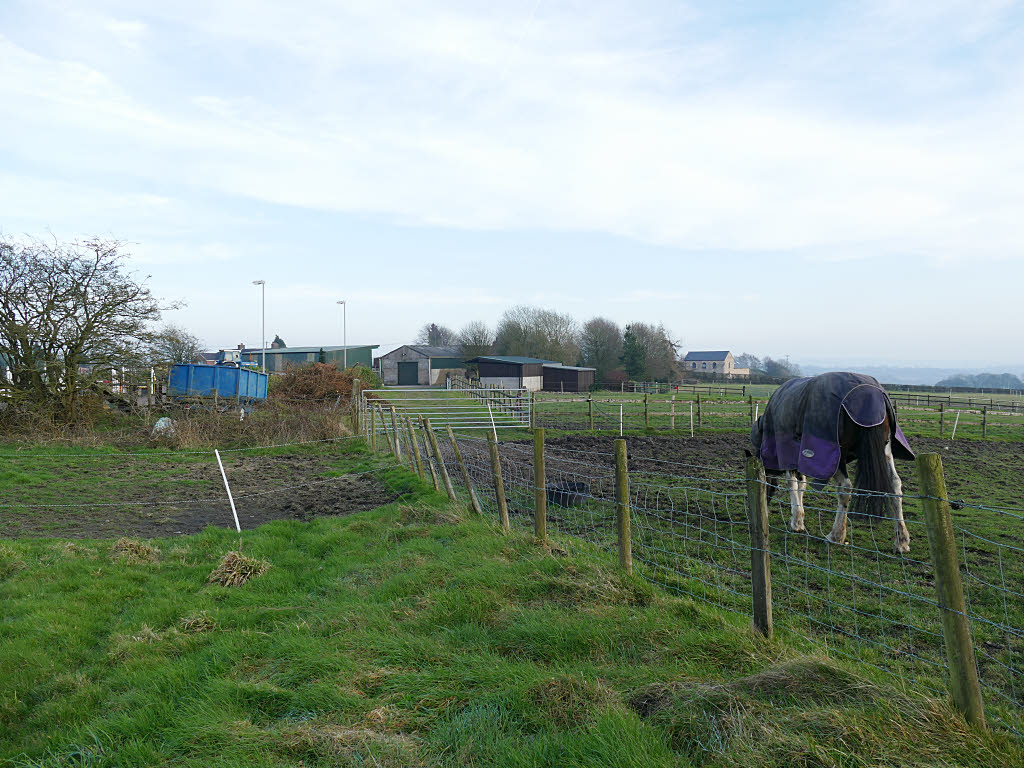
567,378
415,364
281,358
720,362
511,372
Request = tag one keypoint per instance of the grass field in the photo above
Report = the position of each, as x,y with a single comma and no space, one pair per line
412,635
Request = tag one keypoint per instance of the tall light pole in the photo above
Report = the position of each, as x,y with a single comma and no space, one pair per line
344,335
263,320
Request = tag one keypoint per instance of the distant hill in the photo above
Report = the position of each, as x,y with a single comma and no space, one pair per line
897,374
988,380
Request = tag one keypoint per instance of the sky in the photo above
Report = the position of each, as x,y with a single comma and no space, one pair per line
837,182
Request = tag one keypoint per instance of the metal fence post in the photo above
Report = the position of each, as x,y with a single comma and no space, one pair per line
622,507
760,560
540,494
440,462
956,629
499,483
473,500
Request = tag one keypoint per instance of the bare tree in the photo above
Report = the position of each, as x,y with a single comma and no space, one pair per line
601,346
649,353
536,332
436,335
67,308
475,339
173,344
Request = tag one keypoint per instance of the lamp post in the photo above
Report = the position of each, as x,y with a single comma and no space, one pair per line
344,335
263,320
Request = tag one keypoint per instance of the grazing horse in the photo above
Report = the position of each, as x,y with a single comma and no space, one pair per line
813,427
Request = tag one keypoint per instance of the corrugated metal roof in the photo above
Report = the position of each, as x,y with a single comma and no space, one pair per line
568,367
307,350
429,351
513,359
705,356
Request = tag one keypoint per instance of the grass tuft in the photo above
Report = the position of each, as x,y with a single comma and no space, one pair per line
133,551
235,569
196,623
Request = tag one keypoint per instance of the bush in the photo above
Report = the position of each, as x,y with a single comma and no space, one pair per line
321,381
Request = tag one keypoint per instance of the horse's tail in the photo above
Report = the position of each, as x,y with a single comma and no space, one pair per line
872,486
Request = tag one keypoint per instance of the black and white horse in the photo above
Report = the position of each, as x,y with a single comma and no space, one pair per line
814,427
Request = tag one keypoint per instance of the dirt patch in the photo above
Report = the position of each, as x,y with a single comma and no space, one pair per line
145,499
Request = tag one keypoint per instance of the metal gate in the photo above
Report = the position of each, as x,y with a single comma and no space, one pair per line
478,408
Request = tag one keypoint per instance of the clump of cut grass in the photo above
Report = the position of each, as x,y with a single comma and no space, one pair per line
133,551
10,562
196,623
235,569
328,741
569,701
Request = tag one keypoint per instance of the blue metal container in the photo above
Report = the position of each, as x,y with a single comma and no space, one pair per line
221,380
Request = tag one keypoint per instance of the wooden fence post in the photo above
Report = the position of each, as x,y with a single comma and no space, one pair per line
398,435
672,413
499,484
760,560
414,458
473,500
622,507
647,418
700,413
956,628
533,410
430,461
942,419
751,401
384,426
373,430
590,410
440,462
984,421
540,493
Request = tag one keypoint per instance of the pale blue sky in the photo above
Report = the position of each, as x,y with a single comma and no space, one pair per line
837,182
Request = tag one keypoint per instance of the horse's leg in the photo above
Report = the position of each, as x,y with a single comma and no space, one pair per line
796,502
838,533
901,543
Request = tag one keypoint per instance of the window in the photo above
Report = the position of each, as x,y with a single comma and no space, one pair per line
714,365
694,365
703,365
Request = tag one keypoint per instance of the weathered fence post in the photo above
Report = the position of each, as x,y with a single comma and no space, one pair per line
942,418
440,462
398,435
622,507
356,397
540,493
590,410
672,413
984,421
956,629
760,560
700,413
430,461
384,426
499,484
533,410
414,459
751,401
473,500
647,418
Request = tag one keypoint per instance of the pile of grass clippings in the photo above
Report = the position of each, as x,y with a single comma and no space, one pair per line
133,551
235,569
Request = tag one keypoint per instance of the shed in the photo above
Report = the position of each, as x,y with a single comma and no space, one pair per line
418,364
512,372
568,378
281,358
716,362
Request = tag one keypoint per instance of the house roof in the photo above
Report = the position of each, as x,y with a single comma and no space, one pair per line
705,356
512,359
429,351
326,348
568,367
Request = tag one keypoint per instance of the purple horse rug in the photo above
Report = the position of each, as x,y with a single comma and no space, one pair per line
800,426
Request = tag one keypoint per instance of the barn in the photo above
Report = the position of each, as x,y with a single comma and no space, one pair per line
280,359
512,372
568,378
416,364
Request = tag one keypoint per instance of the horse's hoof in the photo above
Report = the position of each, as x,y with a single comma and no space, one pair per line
797,528
831,540
901,547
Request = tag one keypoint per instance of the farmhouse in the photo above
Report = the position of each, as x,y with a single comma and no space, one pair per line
567,378
512,372
415,364
719,362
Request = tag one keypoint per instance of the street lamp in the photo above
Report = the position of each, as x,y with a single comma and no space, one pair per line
344,335
263,320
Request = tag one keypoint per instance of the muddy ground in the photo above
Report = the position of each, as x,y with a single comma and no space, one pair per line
146,499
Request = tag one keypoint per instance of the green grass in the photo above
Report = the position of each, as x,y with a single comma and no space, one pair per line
413,635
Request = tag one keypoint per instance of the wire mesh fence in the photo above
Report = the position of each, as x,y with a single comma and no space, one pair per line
859,598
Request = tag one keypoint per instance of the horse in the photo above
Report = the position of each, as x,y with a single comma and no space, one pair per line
814,426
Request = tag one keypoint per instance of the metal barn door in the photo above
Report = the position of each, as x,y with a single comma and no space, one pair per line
408,374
